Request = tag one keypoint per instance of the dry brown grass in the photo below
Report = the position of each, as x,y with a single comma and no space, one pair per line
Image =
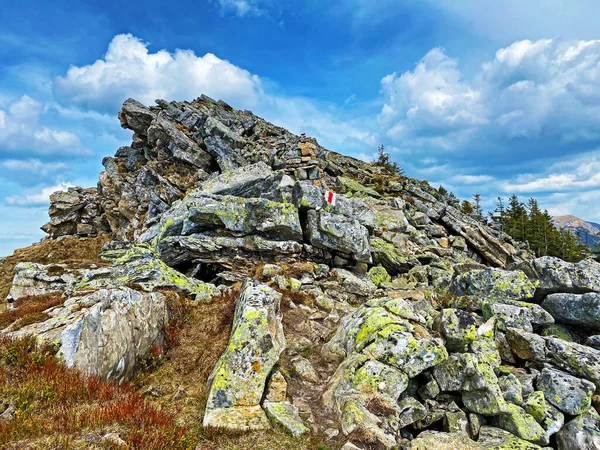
298,297
199,335
30,309
195,339
76,252
55,402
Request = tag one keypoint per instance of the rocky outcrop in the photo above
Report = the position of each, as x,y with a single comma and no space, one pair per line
408,324
575,309
380,356
76,211
39,279
558,276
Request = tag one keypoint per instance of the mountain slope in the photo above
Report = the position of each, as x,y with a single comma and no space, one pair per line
587,231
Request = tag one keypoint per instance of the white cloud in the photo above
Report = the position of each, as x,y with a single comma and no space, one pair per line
581,173
548,89
37,198
33,166
22,134
128,69
472,179
239,7
432,97
323,121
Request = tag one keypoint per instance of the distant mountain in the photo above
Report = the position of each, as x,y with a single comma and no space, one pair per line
587,231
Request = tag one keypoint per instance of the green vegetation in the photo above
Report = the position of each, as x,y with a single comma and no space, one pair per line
529,223
384,160
466,207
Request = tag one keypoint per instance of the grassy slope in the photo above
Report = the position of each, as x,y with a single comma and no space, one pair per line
58,408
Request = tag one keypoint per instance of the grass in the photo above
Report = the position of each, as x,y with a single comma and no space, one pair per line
77,252
198,336
30,309
57,404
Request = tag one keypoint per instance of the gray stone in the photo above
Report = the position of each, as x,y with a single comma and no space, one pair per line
511,389
140,265
496,439
525,345
38,279
568,393
237,383
338,233
576,359
593,341
286,416
522,425
575,309
581,433
457,327
554,420
305,370
494,285
354,284
410,411
558,276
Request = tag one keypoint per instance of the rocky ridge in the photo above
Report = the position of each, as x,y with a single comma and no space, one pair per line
370,310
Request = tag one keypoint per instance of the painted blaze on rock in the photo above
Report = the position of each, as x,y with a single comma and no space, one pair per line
237,383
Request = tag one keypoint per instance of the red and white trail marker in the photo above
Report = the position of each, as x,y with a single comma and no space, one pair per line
330,197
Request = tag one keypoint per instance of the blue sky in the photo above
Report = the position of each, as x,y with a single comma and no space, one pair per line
484,96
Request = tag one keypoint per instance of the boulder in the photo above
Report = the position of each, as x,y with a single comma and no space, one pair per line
496,251
521,315
39,279
105,333
535,406
518,422
496,439
286,416
361,286
576,309
338,233
391,257
558,276
577,359
75,212
494,285
525,345
569,394
199,212
457,327
140,265
581,433
237,383
428,440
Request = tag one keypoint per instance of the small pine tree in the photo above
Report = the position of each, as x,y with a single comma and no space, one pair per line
466,207
477,211
442,190
384,160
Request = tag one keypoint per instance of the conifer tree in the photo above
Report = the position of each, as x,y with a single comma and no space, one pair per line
477,211
466,207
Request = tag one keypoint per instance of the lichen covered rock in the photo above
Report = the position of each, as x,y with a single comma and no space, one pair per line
237,383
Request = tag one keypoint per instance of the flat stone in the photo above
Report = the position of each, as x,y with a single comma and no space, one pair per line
286,416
